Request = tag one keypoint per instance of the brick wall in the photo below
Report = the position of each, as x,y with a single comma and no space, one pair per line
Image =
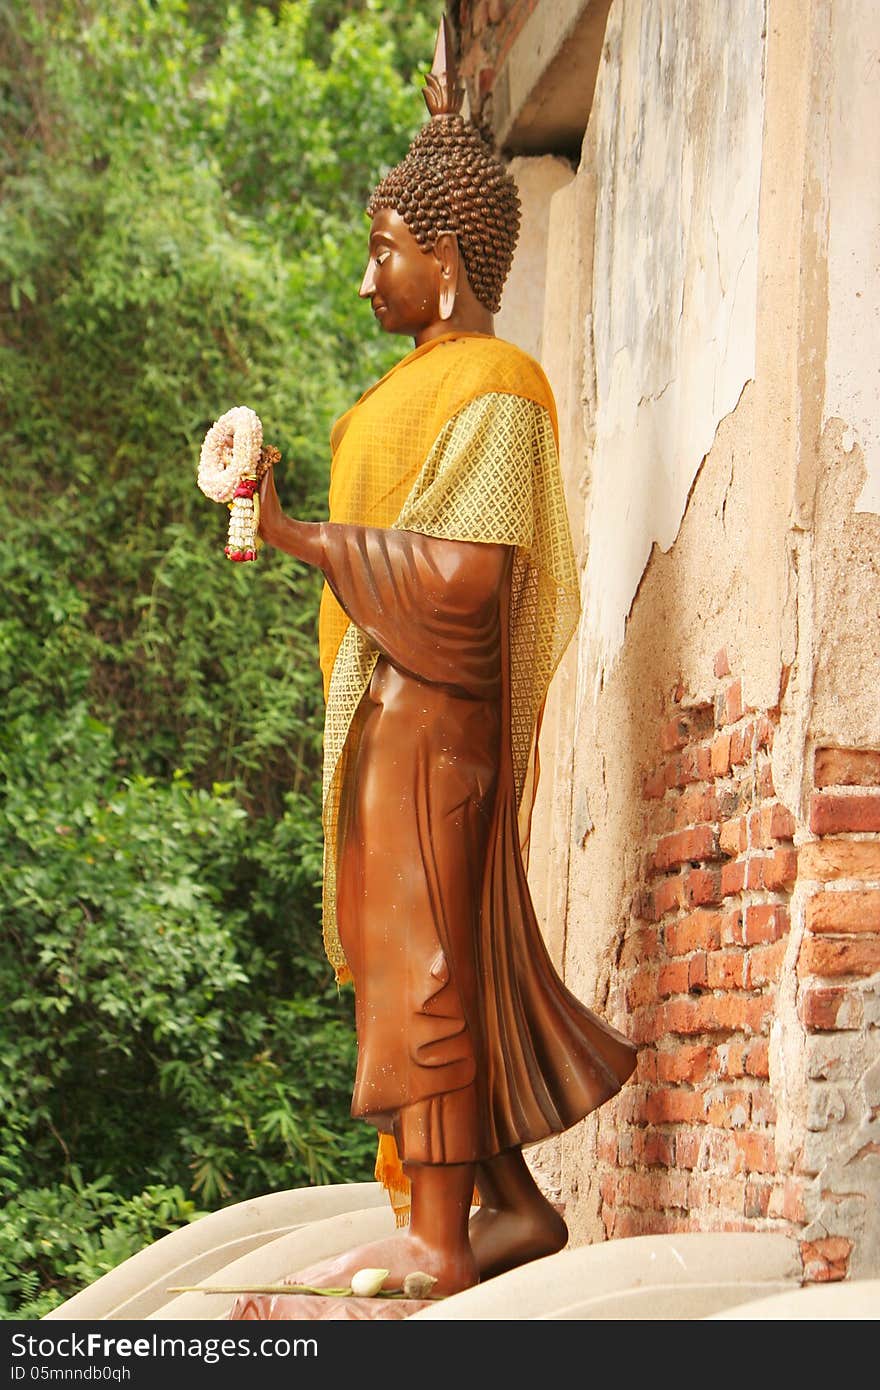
838,970
691,1142
486,31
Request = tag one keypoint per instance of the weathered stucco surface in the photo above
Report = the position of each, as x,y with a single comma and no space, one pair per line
720,443
521,318
852,381
675,140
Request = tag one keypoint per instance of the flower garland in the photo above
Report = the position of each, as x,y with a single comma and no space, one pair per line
232,461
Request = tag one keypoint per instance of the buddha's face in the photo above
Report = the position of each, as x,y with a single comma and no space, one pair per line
401,280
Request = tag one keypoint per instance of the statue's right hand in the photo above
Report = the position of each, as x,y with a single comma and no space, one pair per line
271,514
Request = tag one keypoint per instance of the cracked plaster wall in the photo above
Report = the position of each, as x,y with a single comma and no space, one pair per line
675,142
852,377
720,443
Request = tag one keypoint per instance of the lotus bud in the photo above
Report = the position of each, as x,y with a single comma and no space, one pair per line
365,1283
418,1285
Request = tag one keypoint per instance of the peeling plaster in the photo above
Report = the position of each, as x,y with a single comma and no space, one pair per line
675,139
852,387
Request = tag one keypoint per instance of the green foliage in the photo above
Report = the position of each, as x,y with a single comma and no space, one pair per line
81,1228
181,230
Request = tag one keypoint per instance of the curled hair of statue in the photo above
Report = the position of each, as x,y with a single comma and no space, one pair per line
451,180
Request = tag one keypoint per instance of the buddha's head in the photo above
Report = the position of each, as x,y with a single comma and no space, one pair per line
451,183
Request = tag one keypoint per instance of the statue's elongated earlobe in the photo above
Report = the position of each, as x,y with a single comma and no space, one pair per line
447,298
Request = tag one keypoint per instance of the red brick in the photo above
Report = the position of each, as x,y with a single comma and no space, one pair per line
733,877
763,1107
661,1189
830,1007
673,979
685,1063
732,928
828,957
780,869
688,1145
844,912
695,806
763,732
721,665
719,1152
847,767
701,888
758,1059
686,846
627,1109
826,1260
634,1223
787,1201
642,989
832,859
765,786
714,1194
667,896
698,978
765,964
654,785
642,906
832,813
606,1148
741,745
673,1106
702,763
700,930
646,1064
658,1150
720,762
671,773
764,922
726,970
608,1185
729,1110
711,1013
674,735
755,1153
732,1059
733,836
756,1199
645,1026
777,822
733,702
638,946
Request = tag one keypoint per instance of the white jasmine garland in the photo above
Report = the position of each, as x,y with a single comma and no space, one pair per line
230,452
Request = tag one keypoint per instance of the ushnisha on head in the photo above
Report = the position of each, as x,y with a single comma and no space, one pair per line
452,181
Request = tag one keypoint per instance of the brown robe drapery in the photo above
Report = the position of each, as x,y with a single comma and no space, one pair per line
468,1041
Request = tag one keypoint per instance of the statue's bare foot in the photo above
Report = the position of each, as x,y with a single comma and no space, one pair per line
504,1238
401,1254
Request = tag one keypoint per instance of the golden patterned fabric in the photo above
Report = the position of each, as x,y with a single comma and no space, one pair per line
457,442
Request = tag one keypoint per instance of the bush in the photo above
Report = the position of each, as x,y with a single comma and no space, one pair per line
181,230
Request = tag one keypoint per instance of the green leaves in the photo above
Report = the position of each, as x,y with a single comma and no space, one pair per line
181,230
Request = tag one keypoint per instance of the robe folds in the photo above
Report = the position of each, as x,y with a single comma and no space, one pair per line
451,593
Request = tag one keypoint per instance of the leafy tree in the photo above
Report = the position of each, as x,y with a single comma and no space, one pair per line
181,230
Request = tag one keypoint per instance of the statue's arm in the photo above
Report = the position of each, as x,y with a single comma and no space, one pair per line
429,605
426,603
304,540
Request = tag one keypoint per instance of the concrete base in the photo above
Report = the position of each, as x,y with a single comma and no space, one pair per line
648,1278
849,1301
668,1277
138,1287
